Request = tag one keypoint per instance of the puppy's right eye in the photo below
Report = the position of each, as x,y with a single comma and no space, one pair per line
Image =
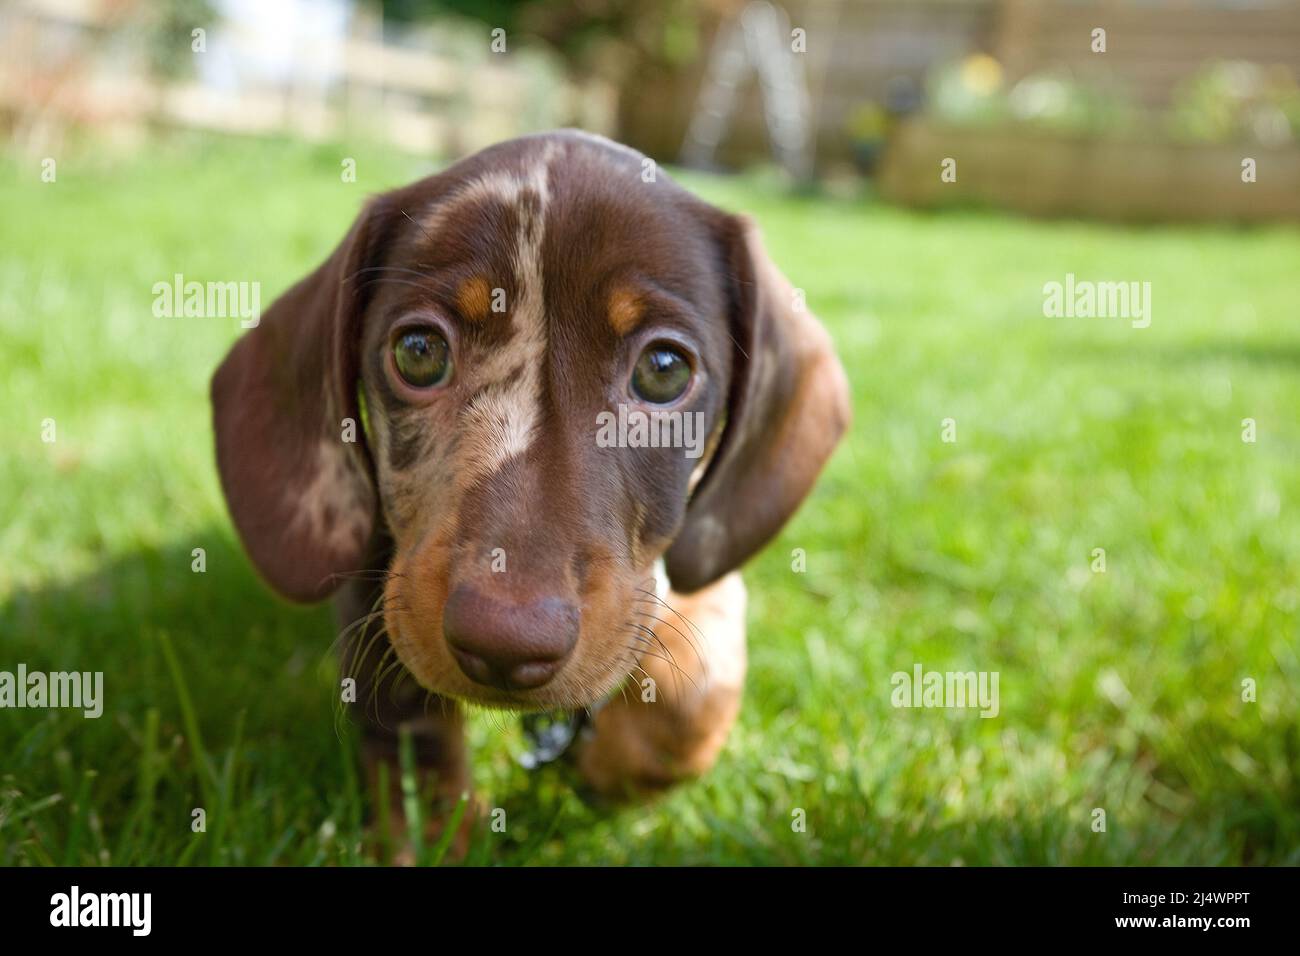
422,357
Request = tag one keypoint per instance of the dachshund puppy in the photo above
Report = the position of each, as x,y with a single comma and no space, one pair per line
516,390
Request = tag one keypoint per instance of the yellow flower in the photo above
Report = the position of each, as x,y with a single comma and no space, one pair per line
981,74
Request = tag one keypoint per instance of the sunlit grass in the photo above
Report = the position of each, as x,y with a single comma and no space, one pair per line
1119,690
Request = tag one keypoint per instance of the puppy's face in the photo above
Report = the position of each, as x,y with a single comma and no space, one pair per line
552,353
519,311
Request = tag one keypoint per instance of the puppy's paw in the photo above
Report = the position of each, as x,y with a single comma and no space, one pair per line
670,726
635,752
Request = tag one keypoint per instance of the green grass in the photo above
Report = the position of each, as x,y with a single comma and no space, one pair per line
1119,690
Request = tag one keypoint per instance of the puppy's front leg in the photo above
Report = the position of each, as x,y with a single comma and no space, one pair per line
656,734
441,770
388,700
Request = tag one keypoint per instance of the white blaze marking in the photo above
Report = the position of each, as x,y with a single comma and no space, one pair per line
501,421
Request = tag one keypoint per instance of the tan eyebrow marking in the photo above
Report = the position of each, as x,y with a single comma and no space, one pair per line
625,310
474,299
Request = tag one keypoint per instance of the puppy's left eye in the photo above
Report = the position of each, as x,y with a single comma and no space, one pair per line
661,375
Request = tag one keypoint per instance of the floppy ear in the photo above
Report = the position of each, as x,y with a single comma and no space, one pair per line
302,498
787,409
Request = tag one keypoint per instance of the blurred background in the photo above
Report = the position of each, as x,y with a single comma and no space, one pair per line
1102,513
1047,116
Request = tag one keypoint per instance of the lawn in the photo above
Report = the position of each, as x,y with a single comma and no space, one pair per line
1121,690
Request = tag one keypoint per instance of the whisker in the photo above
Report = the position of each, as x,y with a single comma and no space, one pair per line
660,657
677,670
658,600
399,269
690,642
658,640
418,225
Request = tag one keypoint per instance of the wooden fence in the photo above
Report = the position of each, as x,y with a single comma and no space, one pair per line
1127,180
857,49
1151,46
67,62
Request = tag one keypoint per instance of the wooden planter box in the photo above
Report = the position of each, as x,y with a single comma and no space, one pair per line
1042,174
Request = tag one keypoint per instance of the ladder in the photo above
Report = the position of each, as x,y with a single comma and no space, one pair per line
758,40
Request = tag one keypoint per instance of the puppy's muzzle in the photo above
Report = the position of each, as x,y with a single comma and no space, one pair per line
511,646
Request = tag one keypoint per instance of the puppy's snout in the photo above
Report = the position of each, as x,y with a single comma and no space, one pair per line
508,645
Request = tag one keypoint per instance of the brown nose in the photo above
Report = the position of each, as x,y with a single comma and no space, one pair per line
510,646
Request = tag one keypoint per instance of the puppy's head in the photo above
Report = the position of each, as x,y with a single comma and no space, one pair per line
538,374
